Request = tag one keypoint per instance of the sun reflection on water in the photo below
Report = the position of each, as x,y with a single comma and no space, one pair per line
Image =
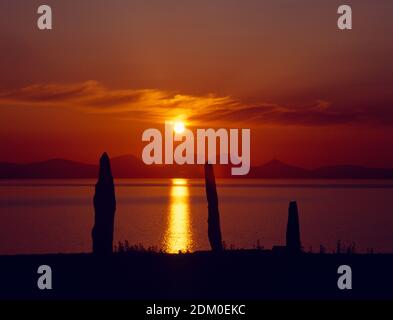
178,234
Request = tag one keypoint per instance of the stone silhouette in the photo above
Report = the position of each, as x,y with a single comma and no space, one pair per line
214,230
104,207
293,229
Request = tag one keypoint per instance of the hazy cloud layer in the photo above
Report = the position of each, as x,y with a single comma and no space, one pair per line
158,105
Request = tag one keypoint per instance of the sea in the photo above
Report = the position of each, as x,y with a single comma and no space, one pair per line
56,216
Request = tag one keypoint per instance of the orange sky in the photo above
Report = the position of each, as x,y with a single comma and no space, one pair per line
311,94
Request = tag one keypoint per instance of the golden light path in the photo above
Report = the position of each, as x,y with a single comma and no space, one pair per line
178,234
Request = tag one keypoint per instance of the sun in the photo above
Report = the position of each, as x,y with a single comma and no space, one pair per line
179,127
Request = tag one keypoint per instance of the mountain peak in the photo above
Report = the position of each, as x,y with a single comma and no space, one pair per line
274,162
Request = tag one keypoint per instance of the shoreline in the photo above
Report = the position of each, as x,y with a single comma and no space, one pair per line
237,274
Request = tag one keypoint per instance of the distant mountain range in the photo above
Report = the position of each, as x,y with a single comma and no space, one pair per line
131,167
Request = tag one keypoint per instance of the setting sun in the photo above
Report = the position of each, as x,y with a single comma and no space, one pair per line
179,127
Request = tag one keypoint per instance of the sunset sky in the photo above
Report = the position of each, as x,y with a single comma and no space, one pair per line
311,94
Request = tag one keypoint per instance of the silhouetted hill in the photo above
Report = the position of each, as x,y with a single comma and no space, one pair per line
131,167
54,168
277,169
352,172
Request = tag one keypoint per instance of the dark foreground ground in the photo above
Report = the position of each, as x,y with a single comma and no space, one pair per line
243,274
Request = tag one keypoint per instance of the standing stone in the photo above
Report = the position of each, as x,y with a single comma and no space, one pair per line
105,207
214,230
293,230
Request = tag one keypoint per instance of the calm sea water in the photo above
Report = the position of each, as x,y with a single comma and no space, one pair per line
51,216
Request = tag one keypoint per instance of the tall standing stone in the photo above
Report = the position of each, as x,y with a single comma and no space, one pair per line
293,229
214,230
105,207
